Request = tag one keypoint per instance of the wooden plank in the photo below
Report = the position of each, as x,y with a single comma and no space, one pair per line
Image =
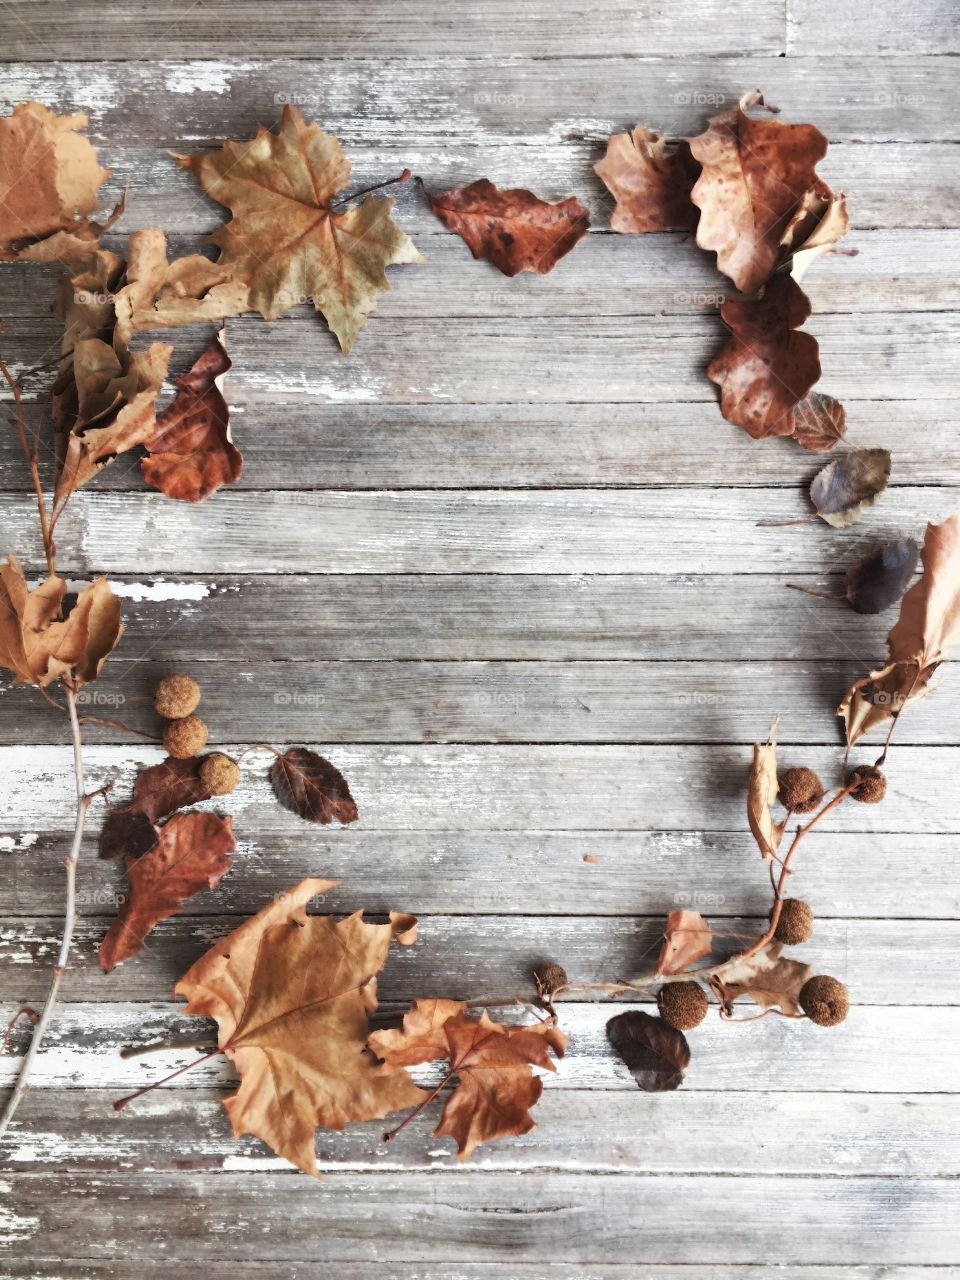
527,99
589,702
70,1131
479,531
510,788
771,1054
42,31
886,28
437,1217
69,1269
547,873
464,957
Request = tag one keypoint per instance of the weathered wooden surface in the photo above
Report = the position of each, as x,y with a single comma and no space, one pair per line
502,565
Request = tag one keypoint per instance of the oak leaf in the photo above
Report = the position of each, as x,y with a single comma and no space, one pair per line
761,795
287,240
311,787
650,183
162,788
512,228
492,1063
755,175
292,994
192,853
38,644
191,453
49,180
686,938
655,1053
766,977
848,484
928,627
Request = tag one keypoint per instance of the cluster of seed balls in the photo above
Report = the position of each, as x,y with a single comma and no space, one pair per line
176,699
823,999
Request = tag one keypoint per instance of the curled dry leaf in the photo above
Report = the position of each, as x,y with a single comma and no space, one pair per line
49,180
404,927
848,484
761,795
766,977
312,787
650,182
191,453
287,241
880,578
686,938
655,1054
928,627
495,1084
768,366
755,175
292,994
40,645
513,229
192,853
820,222
819,422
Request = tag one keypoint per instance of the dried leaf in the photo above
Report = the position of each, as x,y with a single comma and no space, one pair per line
928,627
496,1087
880,578
285,240
292,994
767,978
404,927
768,366
848,483
191,453
761,795
819,422
49,180
650,183
656,1054
192,853
311,787
126,831
39,646
756,173
513,229
820,223
163,788
686,938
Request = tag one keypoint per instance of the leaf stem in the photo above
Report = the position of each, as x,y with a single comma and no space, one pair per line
148,1088
808,591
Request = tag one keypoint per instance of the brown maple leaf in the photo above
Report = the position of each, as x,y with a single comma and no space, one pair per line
191,453
686,938
192,853
928,627
49,180
761,795
650,183
513,229
292,994
38,644
492,1063
288,241
768,366
755,176
766,977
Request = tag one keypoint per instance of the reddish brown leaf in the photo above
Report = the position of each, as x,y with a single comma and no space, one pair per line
686,938
767,366
190,452
513,229
172,784
819,422
311,787
766,978
193,853
650,183
655,1054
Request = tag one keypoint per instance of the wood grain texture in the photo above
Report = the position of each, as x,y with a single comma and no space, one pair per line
884,29
71,1269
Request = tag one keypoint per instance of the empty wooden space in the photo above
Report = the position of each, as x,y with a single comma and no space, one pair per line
502,564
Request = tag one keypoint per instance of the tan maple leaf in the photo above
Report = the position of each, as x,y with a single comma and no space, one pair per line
495,1087
49,179
754,180
288,241
650,183
39,645
292,994
928,627
686,938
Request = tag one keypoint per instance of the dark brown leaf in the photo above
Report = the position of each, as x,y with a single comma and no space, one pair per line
656,1054
311,787
171,784
880,578
127,831
849,483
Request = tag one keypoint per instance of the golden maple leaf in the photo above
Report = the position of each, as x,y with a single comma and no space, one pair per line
285,240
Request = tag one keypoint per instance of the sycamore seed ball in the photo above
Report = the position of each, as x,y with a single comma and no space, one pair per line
796,922
683,1004
872,784
800,790
185,737
551,977
219,774
824,1000
176,696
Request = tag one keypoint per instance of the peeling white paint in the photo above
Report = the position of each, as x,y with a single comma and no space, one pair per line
10,844
201,77
14,1226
